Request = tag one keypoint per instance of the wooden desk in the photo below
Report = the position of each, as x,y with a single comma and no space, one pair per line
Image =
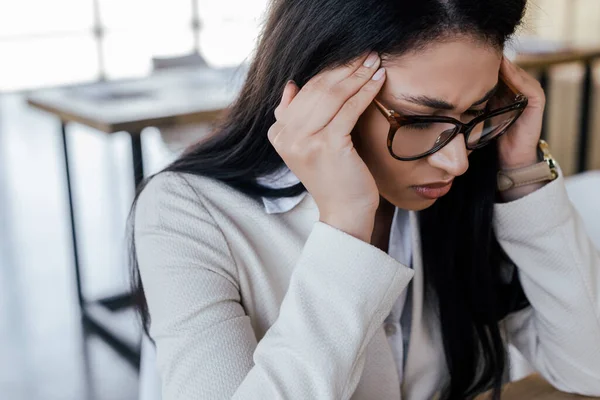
564,55
534,387
167,98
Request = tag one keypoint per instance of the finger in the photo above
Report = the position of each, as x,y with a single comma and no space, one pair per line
330,77
315,107
353,108
352,84
325,80
289,92
273,133
509,73
522,81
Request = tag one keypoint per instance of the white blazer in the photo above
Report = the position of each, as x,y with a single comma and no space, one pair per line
249,305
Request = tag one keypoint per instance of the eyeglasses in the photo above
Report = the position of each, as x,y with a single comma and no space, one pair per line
412,137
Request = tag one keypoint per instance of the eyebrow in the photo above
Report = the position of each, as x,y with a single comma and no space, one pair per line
439,104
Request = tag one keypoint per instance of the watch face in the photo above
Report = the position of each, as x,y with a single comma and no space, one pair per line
544,149
544,155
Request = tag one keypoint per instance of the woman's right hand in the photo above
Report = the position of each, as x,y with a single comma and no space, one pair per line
312,136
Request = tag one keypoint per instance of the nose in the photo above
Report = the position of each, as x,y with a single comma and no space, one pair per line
452,158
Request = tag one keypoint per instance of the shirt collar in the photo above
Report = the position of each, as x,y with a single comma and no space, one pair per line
283,177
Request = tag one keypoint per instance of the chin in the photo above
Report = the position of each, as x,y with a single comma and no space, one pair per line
421,205
418,204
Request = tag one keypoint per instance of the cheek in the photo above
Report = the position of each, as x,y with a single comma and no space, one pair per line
370,140
394,178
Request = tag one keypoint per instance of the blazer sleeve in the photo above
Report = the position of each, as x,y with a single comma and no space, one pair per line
559,270
338,296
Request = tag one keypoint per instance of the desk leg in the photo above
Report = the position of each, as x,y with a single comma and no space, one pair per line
544,84
65,147
100,313
587,94
98,316
137,158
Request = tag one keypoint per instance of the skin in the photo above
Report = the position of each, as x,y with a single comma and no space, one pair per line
456,72
333,138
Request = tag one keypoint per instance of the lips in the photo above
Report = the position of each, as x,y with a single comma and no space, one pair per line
437,185
433,191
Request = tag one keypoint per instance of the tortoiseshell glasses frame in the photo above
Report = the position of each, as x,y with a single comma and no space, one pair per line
517,104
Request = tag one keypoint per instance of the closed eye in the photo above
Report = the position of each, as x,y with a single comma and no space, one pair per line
419,126
475,113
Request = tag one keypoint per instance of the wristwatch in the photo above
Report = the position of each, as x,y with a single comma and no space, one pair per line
543,171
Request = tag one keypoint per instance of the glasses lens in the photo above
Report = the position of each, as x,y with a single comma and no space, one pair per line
416,139
491,128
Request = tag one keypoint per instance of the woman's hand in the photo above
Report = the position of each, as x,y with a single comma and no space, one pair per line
518,147
312,136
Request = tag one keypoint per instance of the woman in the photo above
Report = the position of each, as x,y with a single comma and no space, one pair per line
321,246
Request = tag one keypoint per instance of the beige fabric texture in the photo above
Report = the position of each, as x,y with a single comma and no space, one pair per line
247,305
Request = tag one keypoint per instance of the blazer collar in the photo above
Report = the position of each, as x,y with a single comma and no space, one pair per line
281,178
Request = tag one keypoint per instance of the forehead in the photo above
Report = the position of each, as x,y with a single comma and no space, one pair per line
459,71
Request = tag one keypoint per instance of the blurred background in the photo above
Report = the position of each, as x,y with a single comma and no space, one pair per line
95,94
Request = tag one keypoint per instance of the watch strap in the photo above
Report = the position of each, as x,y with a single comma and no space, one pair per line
540,172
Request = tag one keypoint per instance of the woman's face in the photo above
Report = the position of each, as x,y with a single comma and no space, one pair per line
459,73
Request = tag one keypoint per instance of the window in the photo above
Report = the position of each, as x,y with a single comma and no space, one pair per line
229,29
137,30
44,17
46,43
47,61
54,42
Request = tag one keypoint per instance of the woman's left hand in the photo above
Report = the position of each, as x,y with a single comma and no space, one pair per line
518,147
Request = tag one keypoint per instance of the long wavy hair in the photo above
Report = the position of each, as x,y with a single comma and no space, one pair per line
463,262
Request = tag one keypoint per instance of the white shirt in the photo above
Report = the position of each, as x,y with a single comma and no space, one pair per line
397,324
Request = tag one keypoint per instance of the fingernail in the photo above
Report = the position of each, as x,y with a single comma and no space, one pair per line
370,61
379,74
290,81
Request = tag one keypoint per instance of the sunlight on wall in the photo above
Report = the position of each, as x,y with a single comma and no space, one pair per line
227,38
574,21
